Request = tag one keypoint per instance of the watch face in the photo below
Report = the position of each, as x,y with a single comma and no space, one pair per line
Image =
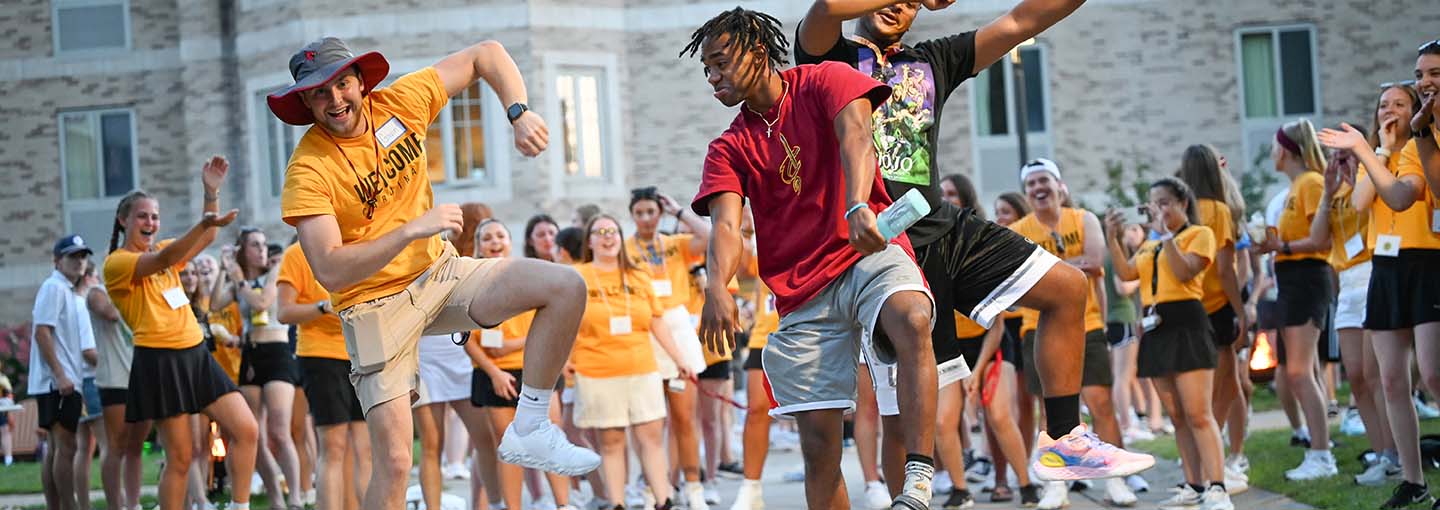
516,110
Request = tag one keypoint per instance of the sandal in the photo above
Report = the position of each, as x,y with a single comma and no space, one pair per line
1001,494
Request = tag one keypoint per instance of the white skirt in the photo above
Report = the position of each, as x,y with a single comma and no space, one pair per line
444,371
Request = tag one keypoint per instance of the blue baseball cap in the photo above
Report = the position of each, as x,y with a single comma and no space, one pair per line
69,244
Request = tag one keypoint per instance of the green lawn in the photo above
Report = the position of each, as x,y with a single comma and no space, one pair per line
1264,398
24,477
1271,455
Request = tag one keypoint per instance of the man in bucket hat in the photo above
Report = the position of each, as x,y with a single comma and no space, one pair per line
358,191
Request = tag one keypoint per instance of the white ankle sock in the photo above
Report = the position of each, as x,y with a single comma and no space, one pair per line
533,409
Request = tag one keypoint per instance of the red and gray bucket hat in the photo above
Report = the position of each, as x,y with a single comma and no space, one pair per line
315,65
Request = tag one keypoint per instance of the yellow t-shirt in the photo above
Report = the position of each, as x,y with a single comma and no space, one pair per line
767,320
141,302
1305,194
335,176
516,327
1071,235
966,329
322,337
1347,223
1413,224
1195,239
667,260
600,353
228,357
1216,215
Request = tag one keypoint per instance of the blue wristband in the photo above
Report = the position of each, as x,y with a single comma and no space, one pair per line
854,208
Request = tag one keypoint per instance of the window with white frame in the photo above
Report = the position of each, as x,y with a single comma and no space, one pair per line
1279,82
455,144
98,165
581,93
275,141
995,108
1277,72
87,25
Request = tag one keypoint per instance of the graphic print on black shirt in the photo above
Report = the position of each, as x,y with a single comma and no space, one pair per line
907,126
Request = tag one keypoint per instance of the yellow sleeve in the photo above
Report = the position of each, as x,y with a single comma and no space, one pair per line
306,191
1311,191
120,270
419,97
1201,243
293,269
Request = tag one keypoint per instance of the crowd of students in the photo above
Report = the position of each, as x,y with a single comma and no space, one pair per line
628,344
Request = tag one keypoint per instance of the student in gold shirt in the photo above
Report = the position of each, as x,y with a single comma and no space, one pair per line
667,258
142,277
1221,208
1402,311
1177,348
1304,276
617,379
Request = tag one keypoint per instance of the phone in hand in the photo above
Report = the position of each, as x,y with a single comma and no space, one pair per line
1139,215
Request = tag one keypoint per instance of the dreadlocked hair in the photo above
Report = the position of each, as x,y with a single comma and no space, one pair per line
746,28
122,210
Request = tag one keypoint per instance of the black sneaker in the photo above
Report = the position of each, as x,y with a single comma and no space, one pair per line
731,468
1407,494
959,499
1030,495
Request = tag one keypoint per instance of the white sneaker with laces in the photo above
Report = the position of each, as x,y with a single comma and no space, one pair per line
1238,463
548,450
1425,411
1137,483
712,492
456,471
749,497
1378,473
1056,495
1184,497
695,496
877,497
1118,493
1216,498
1317,464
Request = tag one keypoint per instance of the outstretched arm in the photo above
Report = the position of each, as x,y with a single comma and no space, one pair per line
489,61
1020,24
720,319
200,235
857,156
821,26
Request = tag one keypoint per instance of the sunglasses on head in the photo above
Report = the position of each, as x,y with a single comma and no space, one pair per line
1429,46
1401,83
605,231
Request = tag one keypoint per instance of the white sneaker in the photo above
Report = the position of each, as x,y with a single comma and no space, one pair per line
877,497
546,450
456,471
1138,434
943,485
638,495
1317,464
1118,492
712,492
1378,473
749,497
1216,498
695,496
1352,425
1137,483
1185,497
1056,495
1425,411
1238,463
1236,482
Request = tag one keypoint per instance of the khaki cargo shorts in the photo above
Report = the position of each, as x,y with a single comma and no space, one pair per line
383,335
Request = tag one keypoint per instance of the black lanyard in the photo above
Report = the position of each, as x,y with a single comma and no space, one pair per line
1155,269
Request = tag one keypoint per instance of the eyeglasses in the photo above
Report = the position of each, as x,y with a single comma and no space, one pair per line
1401,83
605,232
1429,46
1059,243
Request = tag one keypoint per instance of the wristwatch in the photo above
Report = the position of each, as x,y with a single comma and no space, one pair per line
1285,248
320,305
516,110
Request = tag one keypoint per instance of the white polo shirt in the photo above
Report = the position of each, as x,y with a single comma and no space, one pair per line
58,306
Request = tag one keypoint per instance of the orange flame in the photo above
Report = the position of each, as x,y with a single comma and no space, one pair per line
217,447
1263,356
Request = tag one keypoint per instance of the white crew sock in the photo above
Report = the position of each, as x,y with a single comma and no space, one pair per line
533,409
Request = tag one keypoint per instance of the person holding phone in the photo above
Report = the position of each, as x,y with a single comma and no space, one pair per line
617,379
1177,349
1402,309
1304,276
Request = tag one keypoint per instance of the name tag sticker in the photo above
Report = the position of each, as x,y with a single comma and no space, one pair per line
491,338
770,304
662,288
389,132
1435,221
175,297
1354,246
620,326
1387,245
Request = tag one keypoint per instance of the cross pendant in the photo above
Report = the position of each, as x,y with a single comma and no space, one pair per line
767,131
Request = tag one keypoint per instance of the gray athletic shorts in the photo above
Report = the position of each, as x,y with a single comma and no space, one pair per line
810,360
